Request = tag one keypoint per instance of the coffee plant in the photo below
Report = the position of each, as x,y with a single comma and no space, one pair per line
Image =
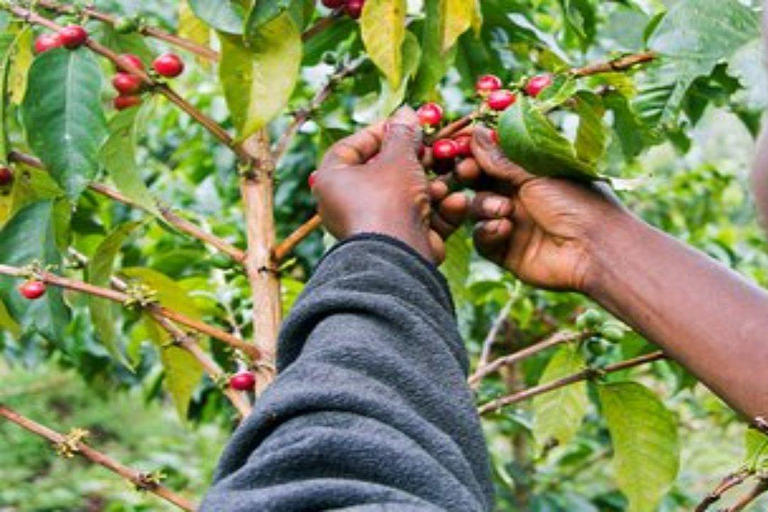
157,222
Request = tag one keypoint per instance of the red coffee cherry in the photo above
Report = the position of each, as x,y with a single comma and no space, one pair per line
501,99
430,114
131,59
73,36
32,290
47,42
125,102
354,8
486,84
334,4
6,176
243,381
537,84
312,180
127,84
464,145
169,65
445,149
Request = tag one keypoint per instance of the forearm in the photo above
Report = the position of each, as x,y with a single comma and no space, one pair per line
702,314
371,405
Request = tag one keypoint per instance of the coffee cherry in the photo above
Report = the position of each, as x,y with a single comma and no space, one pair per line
127,84
131,59
243,381
169,65
486,84
312,179
537,84
354,8
6,176
445,149
47,42
125,102
73,36
501,99
464,145
126,25
334,4
32,289
430,114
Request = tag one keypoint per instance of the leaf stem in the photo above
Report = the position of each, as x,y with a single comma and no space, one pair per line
285,247
728,483
141,480
588,374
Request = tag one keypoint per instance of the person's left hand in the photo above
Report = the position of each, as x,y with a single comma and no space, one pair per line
373,182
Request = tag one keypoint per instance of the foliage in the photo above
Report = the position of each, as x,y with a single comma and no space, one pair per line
656,121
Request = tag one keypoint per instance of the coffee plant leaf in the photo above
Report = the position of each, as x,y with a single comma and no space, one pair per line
756,447
382,27
226,16
456,17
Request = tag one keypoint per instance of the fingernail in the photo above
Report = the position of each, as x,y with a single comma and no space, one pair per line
496,205
494,226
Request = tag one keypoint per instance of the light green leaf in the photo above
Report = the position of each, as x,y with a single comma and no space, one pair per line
191,27
118,156
455,268
434,64
99,273
645,443
391,99
226,16
63,116
7,323
7,44
558,415
169,293
591,136
259,79
456,17
382,27
529,138
19,70
182,371
262,12
28,237
756,444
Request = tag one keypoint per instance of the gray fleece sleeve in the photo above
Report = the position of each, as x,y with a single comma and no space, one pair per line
371,410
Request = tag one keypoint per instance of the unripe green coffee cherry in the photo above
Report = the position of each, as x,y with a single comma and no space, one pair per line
588,320
126,25
612,333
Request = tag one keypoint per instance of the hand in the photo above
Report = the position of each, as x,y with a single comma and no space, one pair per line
373,182
544,230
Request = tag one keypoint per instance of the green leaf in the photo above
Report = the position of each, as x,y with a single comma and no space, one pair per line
224,15
7,323
262,12
28,237
455,268
456,17
182,371
391,99
191,27
529,138
591,135
645,443
99,273
7,45
756,446
558,415
382,27
628,128
19,70
63,116
696,36
118,156
259,79
434,64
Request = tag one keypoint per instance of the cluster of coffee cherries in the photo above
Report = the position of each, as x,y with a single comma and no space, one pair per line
496,99
70,37
352,8
129,86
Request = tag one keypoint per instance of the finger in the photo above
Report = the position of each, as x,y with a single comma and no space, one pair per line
468,171
438,190
357,148
492,238
489,206
403,136
454,208
441,226
437,244
493,161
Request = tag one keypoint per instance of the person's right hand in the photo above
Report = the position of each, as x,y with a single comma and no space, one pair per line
544,230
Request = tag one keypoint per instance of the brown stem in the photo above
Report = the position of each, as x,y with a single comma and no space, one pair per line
616,65
529,393
320,25
159,87
759,489
120,297
285,247
490,339
257,190
724,486
305,114
141,480
553,341
191,46
170,217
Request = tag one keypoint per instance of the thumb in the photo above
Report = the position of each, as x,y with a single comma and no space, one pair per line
493,161
403,135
